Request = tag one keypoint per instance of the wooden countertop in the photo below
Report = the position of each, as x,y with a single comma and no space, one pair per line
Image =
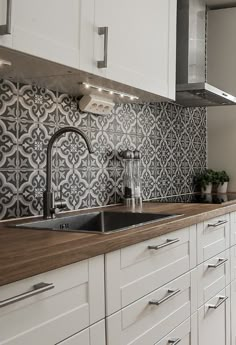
27,252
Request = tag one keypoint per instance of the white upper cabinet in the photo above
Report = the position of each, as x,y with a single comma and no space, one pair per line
46,29
135,42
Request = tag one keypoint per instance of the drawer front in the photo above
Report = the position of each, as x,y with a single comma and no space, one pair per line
75,302
94,335
213,276
232,228
233,312
212,237
214,320
233,262
135,271
152,317
185,334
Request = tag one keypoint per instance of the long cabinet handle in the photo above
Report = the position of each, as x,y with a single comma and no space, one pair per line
220,301
6,28
171,293
37,289
174,341
165,244
103,31
220,263
219,223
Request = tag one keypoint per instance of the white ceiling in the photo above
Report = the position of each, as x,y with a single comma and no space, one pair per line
220,3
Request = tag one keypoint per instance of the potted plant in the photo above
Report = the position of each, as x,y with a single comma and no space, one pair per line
222,182
205,180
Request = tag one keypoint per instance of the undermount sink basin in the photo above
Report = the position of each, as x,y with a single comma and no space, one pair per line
97,222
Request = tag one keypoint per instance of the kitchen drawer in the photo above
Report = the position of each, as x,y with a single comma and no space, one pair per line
233,262
185,334
94,335
232,228
213,276
214,320
212,237
144,323
74,301
135,271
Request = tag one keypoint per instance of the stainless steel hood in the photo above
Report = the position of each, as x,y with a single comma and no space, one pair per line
191,73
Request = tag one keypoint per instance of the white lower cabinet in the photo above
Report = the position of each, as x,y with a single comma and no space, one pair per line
214,320
184,334
152,317
94,335
233,312
50,307
135,271
212,276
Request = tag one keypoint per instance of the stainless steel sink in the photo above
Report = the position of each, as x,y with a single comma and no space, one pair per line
97,222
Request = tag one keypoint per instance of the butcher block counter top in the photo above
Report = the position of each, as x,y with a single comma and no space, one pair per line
27,252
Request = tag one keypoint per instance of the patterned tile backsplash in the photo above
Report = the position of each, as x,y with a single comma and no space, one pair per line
172,141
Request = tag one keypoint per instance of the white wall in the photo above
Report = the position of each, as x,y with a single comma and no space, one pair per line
222,141
222,74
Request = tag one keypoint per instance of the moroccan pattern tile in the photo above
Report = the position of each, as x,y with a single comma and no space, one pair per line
171,139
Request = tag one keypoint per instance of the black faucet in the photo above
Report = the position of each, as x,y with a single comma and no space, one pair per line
50,205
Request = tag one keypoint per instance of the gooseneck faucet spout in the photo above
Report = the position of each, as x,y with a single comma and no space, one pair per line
49,204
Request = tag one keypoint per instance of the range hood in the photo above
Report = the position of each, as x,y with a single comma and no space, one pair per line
192,89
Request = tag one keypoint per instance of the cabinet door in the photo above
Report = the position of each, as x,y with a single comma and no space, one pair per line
152,317
135,271
214,320
5,27
212,237
68,300
233,312
94,335
185,334
141,43
47,29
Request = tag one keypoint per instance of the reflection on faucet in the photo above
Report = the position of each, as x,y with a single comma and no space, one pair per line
50,206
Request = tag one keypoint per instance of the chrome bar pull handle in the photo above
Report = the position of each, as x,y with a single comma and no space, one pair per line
219,263
174,341
220,301
165,244
171,293
219,223
103,31
6,28
37,289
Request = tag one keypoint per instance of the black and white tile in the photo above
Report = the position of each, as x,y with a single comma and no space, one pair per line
171,139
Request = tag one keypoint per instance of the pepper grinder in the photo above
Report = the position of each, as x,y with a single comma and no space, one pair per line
137,179
128,182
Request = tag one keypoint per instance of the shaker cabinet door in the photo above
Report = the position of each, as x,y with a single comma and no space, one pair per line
135,42
46,29
214,320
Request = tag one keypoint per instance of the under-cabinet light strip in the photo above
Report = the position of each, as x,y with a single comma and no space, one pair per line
5,62
110,91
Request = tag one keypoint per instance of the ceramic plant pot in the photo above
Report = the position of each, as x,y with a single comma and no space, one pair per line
207,190
222,188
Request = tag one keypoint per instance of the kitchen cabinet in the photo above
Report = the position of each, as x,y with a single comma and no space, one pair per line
152,317
134,41
214,320
137,46
94,335
46,29
137,270
213,237
56,304
175,288
233,312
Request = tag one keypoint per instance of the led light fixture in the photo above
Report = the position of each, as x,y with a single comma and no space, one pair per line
110,91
